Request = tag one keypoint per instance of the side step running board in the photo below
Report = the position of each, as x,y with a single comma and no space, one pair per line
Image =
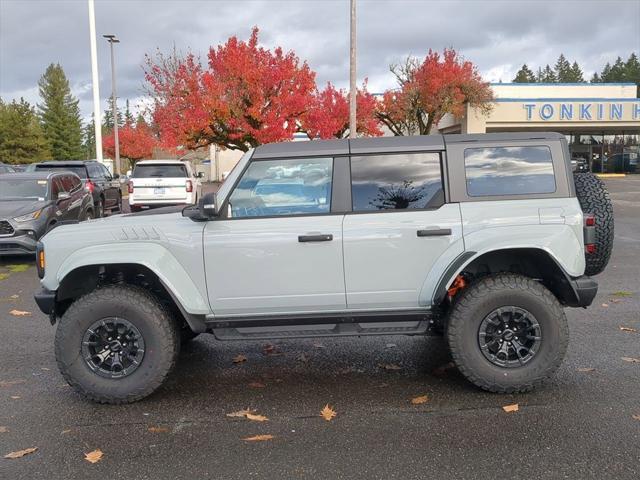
421,327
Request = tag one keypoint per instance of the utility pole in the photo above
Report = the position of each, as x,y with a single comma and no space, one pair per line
95,81
353,92
114,106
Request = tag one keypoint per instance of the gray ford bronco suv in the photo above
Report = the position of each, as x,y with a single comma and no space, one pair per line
481,238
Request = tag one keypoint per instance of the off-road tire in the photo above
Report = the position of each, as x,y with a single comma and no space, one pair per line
150,317
475,302
594,198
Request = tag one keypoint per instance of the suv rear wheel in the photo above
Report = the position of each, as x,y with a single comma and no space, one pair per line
116,344
507,333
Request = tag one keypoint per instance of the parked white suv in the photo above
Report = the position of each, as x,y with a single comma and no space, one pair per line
156,183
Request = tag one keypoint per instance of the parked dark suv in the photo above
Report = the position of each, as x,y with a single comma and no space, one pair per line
97,180
32,203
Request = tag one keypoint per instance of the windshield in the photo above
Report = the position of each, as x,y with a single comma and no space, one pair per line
21,189
79,170
154,170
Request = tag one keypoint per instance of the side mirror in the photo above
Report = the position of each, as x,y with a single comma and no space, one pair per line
63,196
116,176
200,175
208,205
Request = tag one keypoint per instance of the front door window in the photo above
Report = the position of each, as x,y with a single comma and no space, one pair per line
283,187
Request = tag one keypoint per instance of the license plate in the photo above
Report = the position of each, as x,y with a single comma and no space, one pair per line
158,191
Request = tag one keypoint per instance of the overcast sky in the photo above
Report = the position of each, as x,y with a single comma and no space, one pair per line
498,36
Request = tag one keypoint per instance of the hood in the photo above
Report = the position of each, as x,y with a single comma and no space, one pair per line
15,208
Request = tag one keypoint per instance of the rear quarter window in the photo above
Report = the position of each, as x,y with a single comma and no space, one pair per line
496,171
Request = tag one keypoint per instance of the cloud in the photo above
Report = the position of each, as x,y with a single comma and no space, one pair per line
496,35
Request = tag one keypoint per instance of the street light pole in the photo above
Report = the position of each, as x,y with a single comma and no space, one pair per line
352,74
114,106
95,81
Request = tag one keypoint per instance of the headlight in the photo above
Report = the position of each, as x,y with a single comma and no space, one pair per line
28,216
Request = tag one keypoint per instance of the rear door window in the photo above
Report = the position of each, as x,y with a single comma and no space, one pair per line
159,170
407,181
492,171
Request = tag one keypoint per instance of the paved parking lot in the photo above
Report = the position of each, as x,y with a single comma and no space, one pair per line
580,425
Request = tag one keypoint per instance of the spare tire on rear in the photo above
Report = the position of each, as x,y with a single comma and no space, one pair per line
594,198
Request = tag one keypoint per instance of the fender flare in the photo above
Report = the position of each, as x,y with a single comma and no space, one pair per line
190,299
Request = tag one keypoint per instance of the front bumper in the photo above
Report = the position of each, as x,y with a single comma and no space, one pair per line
585,289
18,245
46,301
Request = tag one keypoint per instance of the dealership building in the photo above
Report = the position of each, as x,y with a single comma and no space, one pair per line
601,121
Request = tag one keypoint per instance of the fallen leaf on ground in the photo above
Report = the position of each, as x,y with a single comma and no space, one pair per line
259,438
240,413
21,453
391,345
158,429
268,349
511,408
257,385
65,431
420,400
15,397
615,300
23,267
4,276
3,429
631,359
628,329
442,369
8,383
328,413
390,366
239,359
19,313
14,296
94,457
319,345
45,369
256,417
635,417
586,369
605,305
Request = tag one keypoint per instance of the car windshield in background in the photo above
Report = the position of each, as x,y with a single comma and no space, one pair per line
20,189
157,170
79,170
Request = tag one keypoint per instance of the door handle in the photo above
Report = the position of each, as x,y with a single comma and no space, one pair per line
434,232
315,238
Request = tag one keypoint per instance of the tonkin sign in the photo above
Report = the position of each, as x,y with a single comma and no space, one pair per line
582,111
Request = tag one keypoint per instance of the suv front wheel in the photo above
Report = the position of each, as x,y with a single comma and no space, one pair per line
116,344
507,333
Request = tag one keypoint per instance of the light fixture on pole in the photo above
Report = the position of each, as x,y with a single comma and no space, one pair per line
114,106
95,81
353,92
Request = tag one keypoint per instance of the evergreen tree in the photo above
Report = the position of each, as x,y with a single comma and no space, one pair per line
21,137
618,71
548,75
524,75
575,74
632,71
60,115
606,73
563,70
89,140
107,118
128,117
596,78
539,75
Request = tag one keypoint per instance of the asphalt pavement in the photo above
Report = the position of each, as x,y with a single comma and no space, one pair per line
579,425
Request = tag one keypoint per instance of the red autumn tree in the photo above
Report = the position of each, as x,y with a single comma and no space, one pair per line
327,115
427,91
137,141
246,95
